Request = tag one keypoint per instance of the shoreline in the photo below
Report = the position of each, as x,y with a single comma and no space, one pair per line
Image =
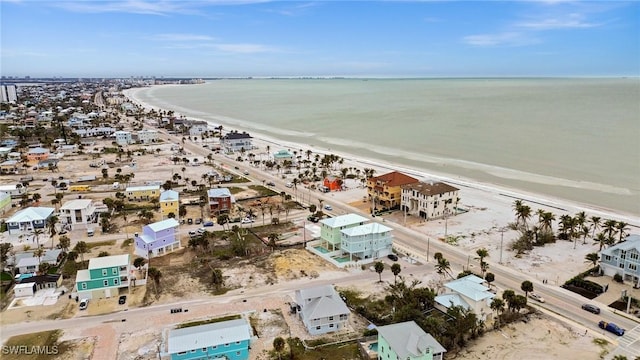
507,193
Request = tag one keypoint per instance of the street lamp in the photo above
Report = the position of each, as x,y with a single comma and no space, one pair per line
502,230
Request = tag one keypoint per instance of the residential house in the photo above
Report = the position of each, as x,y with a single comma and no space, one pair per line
9,167
332,183
169,203
5,202
429,200
472,293
14,190
197,127
158,238
29,219
368,241
45,281
37,154
96,131
385,191
123,138
4,151
25,262
220,200
104,278
78,213
407,341
281,156
228,340
623,259
147,136
331,229
235,141
321,309
146,192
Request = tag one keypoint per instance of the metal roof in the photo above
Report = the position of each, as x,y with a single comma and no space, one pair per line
109,261
408,340
630,242
471,287
163,225
198,337
76,204
343,220
366,229
169,195
30,214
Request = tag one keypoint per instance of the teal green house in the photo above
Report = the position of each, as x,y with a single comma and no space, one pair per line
106,277
407,341
331,228
228,340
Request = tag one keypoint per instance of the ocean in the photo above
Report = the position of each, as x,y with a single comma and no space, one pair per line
577,139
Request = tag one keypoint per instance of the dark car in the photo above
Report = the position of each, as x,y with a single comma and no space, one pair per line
313,218
393,257
208,223
122,299
591,308
271,183
198,221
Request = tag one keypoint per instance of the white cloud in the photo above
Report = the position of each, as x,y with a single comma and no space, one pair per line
570,21
160,8
499,39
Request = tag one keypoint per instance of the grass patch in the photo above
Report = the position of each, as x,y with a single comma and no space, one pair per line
234,189
35,346
5,276
92,245
69,269
263,191
208,321
347,350
53,270
126,243
239,179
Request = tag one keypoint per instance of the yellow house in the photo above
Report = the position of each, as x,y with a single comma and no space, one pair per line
385,191
169,203
143,192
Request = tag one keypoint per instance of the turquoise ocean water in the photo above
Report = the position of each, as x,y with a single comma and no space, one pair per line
577,139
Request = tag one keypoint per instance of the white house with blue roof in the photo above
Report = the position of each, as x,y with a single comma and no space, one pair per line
27,220
158,239
470,292
330,229
624,259
368,241
229,340
407,341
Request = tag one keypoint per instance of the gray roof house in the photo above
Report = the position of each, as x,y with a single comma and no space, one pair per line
471,292
407,341
321,309
623,258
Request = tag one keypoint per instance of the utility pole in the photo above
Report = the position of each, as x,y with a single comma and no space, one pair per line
502,230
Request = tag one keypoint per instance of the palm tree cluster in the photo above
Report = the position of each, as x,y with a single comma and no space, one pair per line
571,228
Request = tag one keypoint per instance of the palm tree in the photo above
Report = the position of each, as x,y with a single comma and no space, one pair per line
508,296
139,262
155,275
39,252
273,238
395,269
592,258
443,267
51,224
602,239
497,305
482,253
278,345
595,225
610,227
81,248
546,220
379,267
217,278
64,242
36,236
527,287
621,226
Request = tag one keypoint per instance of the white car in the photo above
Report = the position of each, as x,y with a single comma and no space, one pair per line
536,297
328,207
83,304
247,221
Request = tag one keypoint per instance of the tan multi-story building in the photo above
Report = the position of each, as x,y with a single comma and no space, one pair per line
429,200
385,190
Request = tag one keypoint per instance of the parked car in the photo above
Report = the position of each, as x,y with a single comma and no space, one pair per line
313,218
271,183
393,257
201,230
236,167
122,299
611,327
328,207
207,223
246,172
192,233
289,185
536,297
591,308
198,221
189,221
247,221
83,304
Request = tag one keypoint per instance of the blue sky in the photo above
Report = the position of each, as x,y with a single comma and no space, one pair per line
324,38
